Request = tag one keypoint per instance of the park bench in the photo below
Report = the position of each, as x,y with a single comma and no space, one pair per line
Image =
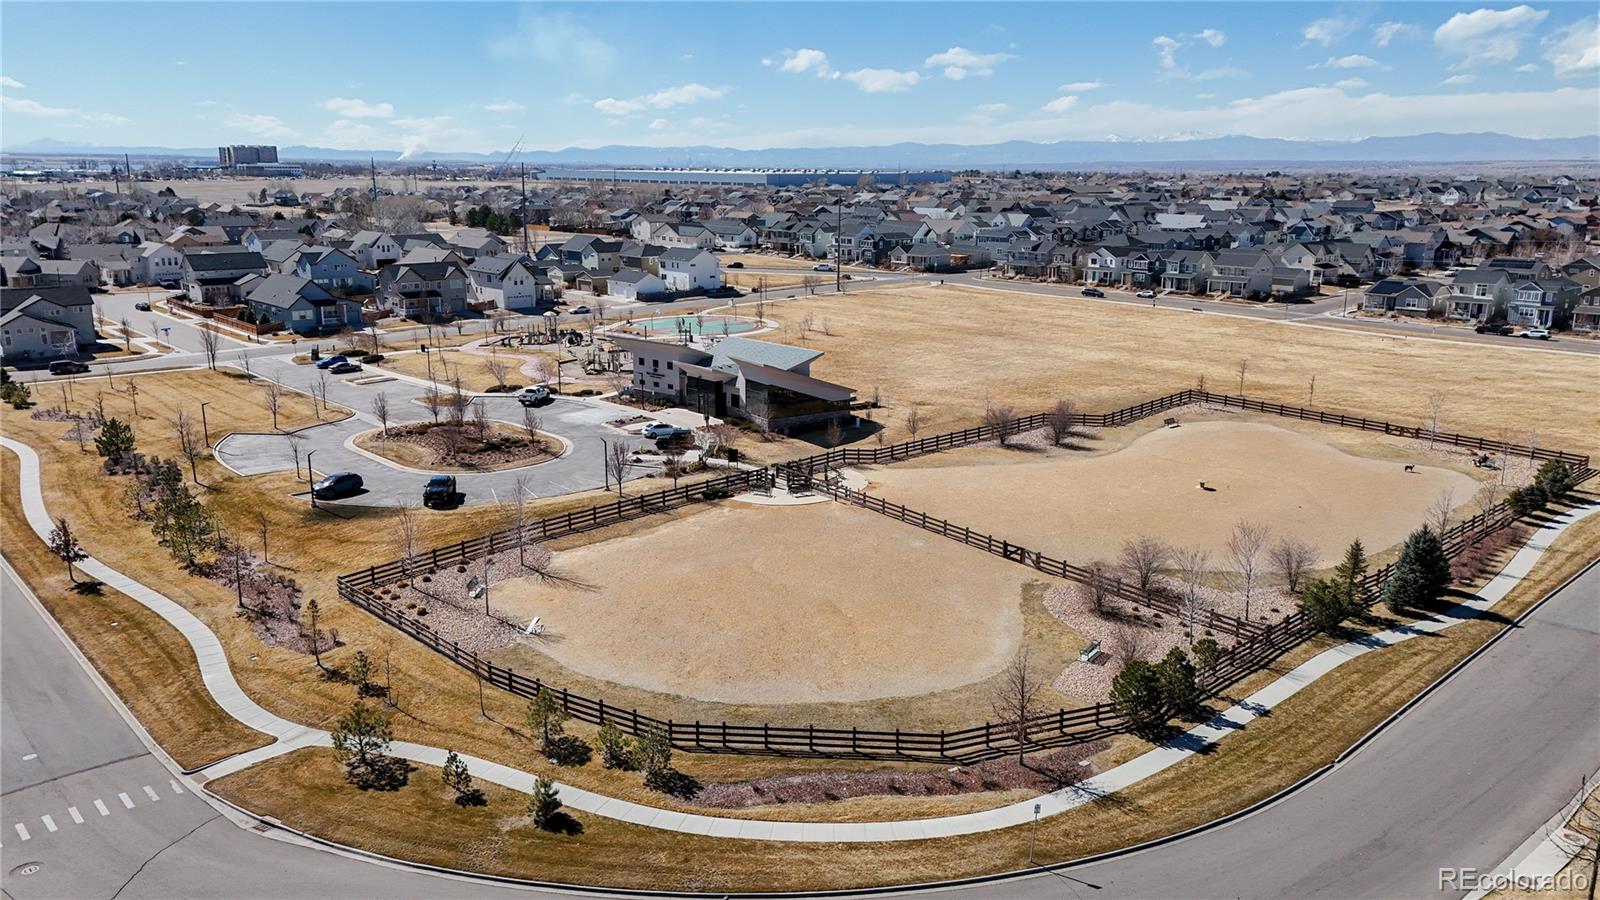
1090,652
1169,422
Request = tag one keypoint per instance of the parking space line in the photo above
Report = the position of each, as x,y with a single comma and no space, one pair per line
151,793
101,806
126,801
22,831
176,788
49,823
77,817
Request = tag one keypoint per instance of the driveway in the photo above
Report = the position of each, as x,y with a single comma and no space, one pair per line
580,422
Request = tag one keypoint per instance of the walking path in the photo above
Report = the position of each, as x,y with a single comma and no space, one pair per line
290,736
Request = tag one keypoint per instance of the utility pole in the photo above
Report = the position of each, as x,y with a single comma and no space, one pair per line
838,249
522,214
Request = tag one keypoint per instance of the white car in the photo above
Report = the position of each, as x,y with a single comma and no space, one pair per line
1538,334
661,431
533,396
822,267
1146,295
579,310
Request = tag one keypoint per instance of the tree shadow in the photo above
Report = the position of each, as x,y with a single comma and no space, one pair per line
88,588
472,797
673,783
568,750
561,823
386,773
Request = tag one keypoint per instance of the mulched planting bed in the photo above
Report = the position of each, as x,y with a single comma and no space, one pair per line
464,446
1040,772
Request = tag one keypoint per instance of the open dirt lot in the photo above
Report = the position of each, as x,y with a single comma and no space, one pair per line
1082,507
944,350
777,605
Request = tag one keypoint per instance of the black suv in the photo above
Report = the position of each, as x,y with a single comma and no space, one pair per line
440,491
1493,328
68,367
339,484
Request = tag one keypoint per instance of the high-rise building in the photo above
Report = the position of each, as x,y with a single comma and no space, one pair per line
246,154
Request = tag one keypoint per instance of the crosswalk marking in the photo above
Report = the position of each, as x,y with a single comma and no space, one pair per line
151,793
101,806
22,831
77,817
126,800
176,788
49,823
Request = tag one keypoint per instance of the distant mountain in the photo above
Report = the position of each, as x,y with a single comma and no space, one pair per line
1432,147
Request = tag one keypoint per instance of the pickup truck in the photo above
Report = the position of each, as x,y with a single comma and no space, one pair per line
440,491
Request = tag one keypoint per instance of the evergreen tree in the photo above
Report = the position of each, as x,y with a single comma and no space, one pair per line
1180,691
361,742
1352,570
1326,604
64,544
1136,694
115,438
1420,575
653,751
1206,653
616,751
458,779
544,803
1556,479
546,716
1527,499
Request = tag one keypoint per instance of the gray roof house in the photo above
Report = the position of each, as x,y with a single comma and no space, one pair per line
303,306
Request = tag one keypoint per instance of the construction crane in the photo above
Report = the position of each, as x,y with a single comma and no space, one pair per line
507,161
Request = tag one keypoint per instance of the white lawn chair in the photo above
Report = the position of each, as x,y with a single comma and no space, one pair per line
535,626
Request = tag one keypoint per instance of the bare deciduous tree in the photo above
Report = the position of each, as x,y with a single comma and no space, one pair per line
1244,365
1439,511
1142,557
530,424
913,421
406,531
480,420
1192,567
1002,420
380,409
127,335
1245,546
244,364
274,397
497,370
1292,559
262,523
1016,699
319,392
1436,402
1128,642
190,442
457,402
210,341
1061,422
619,458
1100,586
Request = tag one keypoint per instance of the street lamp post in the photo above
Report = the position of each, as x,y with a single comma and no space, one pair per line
488,567
1033,833
204,428
311,488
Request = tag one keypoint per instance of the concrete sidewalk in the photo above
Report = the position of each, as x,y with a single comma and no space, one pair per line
219,680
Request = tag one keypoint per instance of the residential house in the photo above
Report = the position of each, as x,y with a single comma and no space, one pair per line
374,249
1241,273
508,281
158,263
1187,271
213,277
38,323
731,234
303,306
436,290
769,385
333,270
690,269
635,284
473,243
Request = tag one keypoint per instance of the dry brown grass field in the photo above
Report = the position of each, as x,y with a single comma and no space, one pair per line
760,604
949,350
1082,507
472,368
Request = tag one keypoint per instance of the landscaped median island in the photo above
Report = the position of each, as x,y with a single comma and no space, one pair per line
470,446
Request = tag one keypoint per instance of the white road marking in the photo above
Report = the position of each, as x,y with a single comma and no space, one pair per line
30,757
126,801
101,806
22,831
49,823
77,817
151,793
176,789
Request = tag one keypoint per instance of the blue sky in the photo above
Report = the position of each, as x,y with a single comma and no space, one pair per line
475,76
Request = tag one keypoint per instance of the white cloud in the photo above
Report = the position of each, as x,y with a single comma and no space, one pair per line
883,81
260,125
1167,48
6,81
1328,30
1353,61
659,124
504,106
1351,84
1075,87
1575,50
556,41
959,62
666,98
804,60
1462,78
352,108
1487,35
1385,33
35,108
1526,67
1060,105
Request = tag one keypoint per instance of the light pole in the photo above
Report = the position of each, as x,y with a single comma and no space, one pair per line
488,567
1033,833
205,429
605,467
309,486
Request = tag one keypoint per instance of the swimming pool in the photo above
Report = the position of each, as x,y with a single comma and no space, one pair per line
697,325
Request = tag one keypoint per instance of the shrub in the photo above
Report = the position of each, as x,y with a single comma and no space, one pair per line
1326,604
616,750
1136,693
1527,499
1556,479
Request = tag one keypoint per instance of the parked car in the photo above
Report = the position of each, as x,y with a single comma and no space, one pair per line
1538,334
345,368
339,484
68,367
736,264
579,310
1146,294
1493,328
1092,292
440,491
142,306
822,267
661,431
331,361
533,396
